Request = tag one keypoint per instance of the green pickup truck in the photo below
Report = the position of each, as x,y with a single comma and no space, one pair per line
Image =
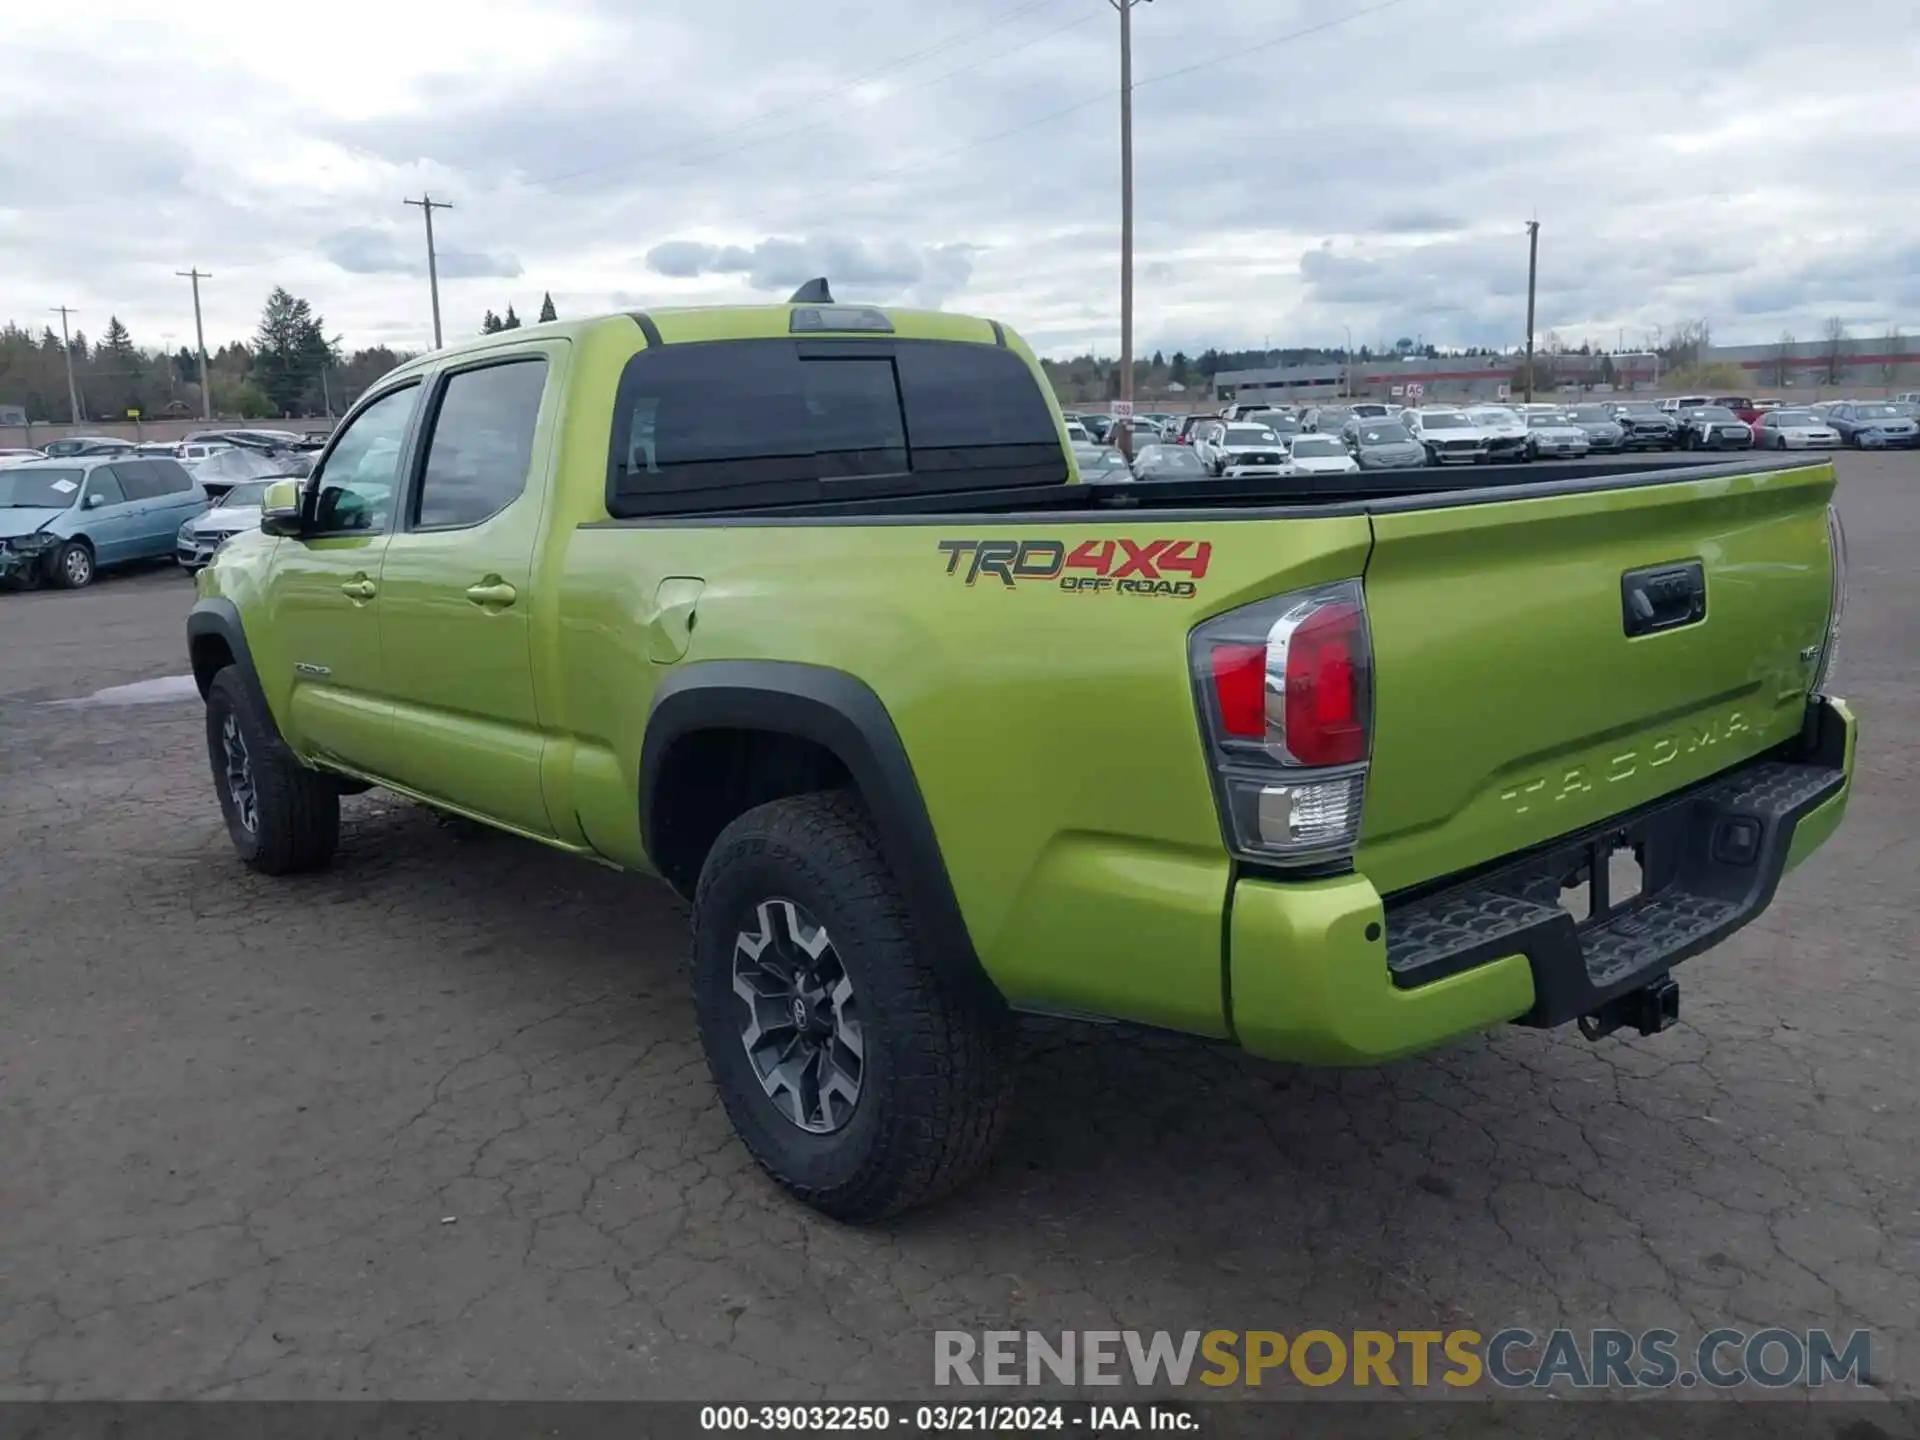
803,609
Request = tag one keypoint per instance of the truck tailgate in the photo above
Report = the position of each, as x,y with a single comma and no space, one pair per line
1512,704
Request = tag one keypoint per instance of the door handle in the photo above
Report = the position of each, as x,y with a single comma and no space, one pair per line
359,588
493,594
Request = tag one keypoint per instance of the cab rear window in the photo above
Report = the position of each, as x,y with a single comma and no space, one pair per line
730,425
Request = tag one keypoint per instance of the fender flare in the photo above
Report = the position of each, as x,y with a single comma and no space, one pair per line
843,715
219,618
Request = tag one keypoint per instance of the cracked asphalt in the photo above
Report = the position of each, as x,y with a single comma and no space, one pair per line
435,1123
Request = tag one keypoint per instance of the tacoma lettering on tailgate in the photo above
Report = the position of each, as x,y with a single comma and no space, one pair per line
1623,764
1120,567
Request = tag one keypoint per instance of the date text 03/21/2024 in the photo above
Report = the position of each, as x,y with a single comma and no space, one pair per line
984,1419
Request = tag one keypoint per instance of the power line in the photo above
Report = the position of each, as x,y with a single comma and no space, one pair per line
924,162
845,88
924,85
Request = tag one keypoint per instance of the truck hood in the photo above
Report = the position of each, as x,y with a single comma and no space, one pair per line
26,521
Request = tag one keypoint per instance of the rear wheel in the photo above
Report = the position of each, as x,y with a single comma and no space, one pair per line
860,1076
281,816
72,567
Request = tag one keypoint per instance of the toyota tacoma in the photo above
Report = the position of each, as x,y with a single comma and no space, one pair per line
803,609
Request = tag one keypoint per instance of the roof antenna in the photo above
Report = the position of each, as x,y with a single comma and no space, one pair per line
814,292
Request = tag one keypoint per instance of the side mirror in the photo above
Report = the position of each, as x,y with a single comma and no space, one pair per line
93,502
280,508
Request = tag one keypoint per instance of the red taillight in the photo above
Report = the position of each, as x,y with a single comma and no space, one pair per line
1285,687
1240,689
1326,723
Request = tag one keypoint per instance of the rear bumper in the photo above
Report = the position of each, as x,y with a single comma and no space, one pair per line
1326,972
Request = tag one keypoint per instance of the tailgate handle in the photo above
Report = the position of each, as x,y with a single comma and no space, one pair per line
1663,597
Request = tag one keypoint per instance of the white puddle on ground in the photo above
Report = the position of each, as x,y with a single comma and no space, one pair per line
140,692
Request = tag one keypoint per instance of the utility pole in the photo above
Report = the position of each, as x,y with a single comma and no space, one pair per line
66,344
427,206
1125,7
200,339
1533,270
1348,367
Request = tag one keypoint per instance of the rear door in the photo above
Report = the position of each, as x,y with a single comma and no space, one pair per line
178,500
457,603
1546,662
147,510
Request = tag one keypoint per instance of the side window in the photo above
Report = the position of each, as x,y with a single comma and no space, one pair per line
137,479
976,418
103,487
171,475
362,470
482,444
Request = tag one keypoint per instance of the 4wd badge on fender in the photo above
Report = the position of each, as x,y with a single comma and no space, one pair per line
1167,568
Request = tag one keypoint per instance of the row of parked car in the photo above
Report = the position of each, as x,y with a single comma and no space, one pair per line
65,518
1254,440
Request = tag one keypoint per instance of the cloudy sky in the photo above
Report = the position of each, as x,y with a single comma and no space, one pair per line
1302,166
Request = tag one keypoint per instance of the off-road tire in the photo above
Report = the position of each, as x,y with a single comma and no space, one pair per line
72,566
938,1055
296,811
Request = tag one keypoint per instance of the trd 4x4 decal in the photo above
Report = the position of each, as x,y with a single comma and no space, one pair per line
1167,568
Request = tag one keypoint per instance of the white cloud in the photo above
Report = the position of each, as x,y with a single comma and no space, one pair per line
1735,159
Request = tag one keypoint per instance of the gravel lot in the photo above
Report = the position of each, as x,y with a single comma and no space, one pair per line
435,1123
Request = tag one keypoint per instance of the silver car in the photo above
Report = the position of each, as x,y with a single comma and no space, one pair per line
1556,436
237,511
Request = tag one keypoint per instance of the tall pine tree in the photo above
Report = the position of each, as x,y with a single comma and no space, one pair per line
491,325
546,308
289,350
512,322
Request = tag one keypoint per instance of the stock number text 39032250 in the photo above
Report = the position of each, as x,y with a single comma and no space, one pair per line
1169,569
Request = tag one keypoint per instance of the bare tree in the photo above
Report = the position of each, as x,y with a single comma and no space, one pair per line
1835,335
1893,351
1783,360
1686,343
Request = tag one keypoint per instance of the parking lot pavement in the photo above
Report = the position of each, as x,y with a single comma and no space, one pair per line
435,1123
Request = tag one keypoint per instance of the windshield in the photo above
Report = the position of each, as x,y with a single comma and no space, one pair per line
1496,416
1370,411
1545,422
1445,420
1251,435
251,492
1169,457
1278,422
1385,435
1314,447
39,489
1878,412
1641,407
1793,417
1589,415
1715,412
